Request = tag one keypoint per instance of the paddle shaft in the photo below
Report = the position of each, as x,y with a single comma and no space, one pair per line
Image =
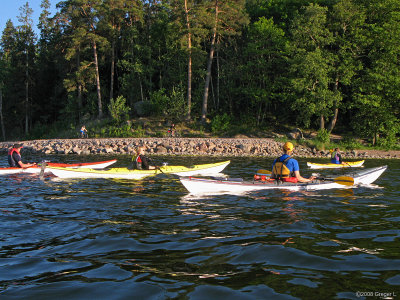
43,167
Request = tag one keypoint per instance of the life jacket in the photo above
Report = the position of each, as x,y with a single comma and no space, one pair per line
11,161
335,159
282,172
138,162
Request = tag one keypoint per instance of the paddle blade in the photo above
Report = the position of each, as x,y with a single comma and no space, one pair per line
345,180
261,171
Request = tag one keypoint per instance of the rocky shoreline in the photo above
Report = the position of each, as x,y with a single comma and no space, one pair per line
228,147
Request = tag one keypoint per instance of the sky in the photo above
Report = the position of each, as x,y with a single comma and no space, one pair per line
9,9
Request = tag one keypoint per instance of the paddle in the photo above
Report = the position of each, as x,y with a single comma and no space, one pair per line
158,168
261,171
41,174
344,180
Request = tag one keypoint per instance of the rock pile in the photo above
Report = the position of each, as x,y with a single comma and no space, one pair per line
178,146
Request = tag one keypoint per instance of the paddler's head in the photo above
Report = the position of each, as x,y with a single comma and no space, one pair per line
18,146
140,150
288,147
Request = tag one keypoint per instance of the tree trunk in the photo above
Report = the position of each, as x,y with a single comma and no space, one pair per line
100,106
112,69
210,60
333,120
217,105
336,110
189,83
79,86
3,131
27,93
321,122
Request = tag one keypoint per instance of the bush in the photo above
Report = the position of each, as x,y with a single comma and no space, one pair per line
118,110
221,123
323,136
172,106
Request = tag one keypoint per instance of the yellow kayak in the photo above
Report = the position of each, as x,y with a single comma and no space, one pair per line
204,169
347,164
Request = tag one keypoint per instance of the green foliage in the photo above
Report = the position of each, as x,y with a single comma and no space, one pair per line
171,106
118,110
138,132
323,136
390,139
61,129
350,143
160,102
277,63
221,123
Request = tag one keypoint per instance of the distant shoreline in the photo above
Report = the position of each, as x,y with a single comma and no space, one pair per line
224,147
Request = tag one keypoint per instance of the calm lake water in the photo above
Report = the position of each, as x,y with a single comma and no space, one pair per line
147,239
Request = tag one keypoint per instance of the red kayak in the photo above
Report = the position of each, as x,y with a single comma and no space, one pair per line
37,169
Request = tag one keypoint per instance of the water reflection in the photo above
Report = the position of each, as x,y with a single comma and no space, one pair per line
92,236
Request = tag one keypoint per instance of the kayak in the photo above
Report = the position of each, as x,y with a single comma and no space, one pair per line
37,169
347,164
204,170
237,185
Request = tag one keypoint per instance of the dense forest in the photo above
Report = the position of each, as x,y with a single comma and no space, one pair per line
327,65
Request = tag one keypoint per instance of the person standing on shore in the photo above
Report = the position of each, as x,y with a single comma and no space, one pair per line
15,159
286,168
142,162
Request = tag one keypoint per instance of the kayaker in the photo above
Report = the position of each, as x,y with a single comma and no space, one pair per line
336,157
142,162
15,159
286,168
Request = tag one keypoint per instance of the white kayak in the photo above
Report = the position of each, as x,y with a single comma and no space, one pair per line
346,164
37,169
204,170
237,186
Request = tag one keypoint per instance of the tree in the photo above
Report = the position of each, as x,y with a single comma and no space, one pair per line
114,14
261,71
28,39
312,65
377,95
8,44
228,16
80,19
89,11
347,25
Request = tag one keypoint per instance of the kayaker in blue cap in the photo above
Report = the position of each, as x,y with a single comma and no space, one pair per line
286,168
15,159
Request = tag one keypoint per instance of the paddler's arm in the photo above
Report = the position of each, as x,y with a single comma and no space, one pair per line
301,178
22,165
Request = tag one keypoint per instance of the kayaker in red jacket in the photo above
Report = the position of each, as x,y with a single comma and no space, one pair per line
142,162
15,159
